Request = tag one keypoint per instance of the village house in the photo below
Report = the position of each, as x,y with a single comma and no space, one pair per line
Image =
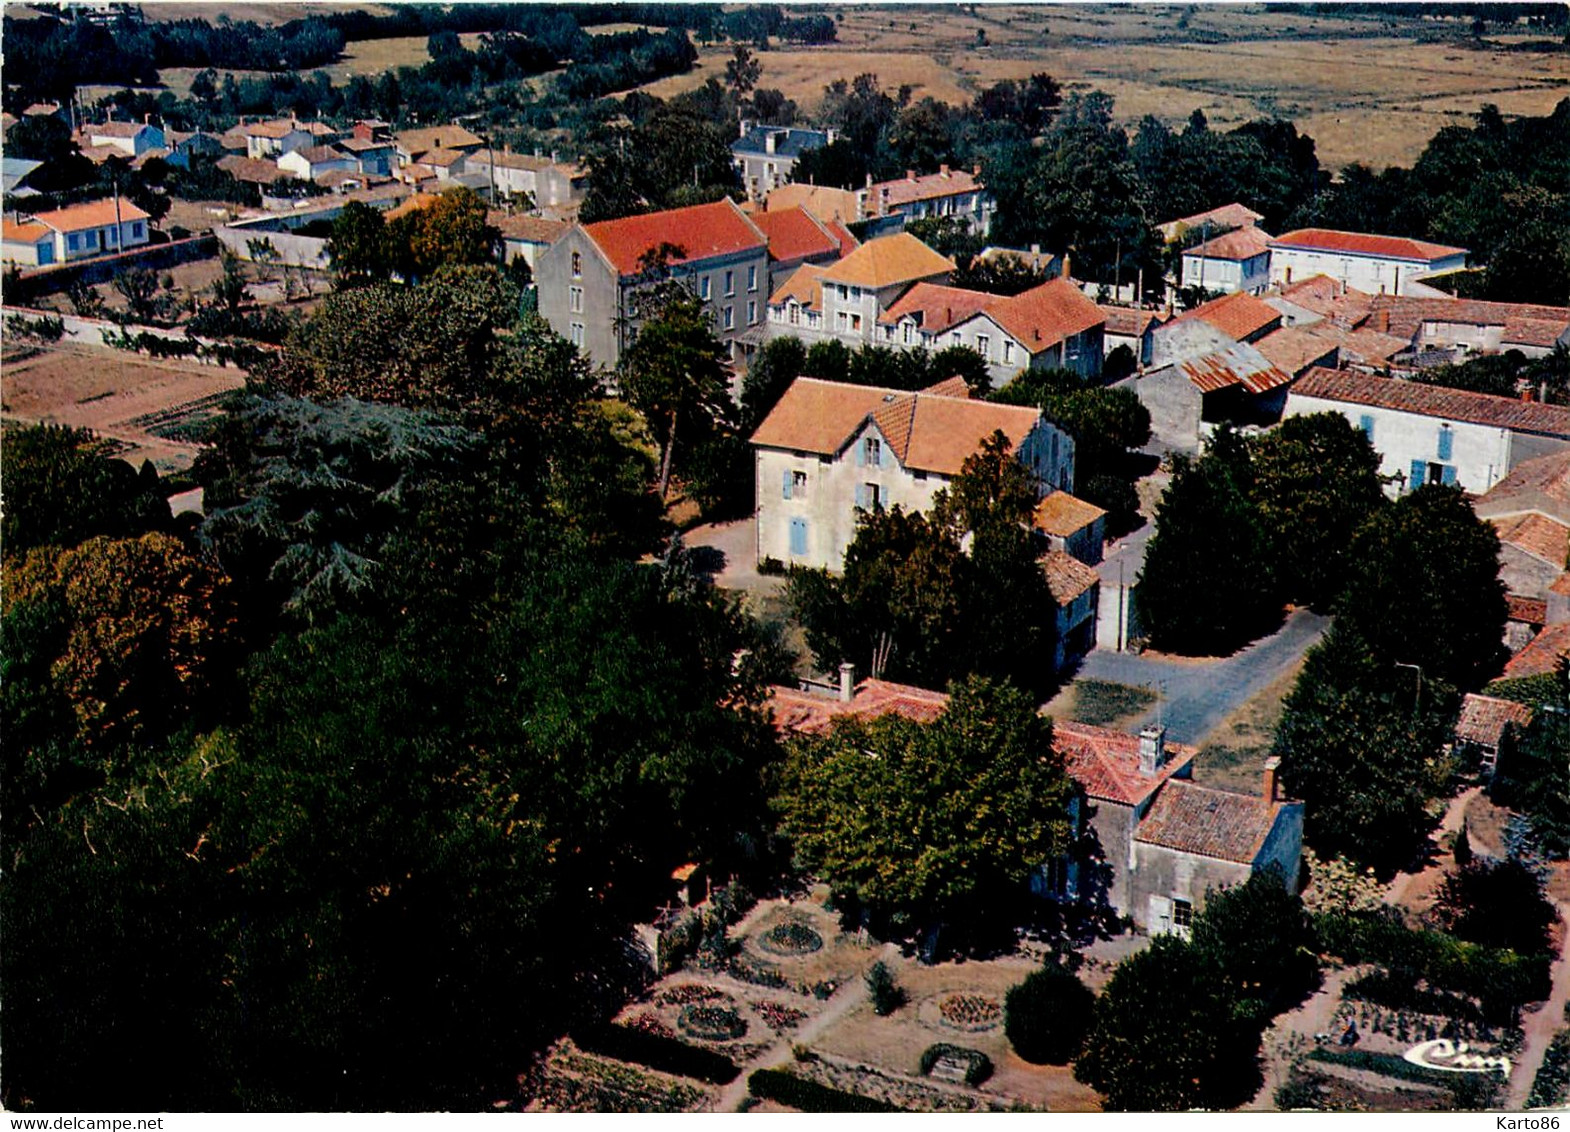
1217,220
16,172
1236,261
100,227
1135,329
764,155
1375,264
825,203
551,184
588,279
1480,728
1159,842
311,162
1076,591
946,193
846,299
526,237
796,237
1432,434
413,145
372,156
1530,511
268,141
127,139
829,450
185,145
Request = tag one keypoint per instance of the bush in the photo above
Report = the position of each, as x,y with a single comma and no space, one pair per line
887,995
713,1023
45,328
771,567
978,1066
1397,990
1046,1016
1497,904
668,1055
809,1096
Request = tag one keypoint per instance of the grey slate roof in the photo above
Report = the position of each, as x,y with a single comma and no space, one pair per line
789,142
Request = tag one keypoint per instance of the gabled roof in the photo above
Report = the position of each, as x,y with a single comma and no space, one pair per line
92,214
22,232
1292,349
1239,364
116,129
1404,315
441,158
1435,401
887,261
925,431
1359,243
1106,762
529,229
1532,332
321,154
1483,718
936,307
1538,535
1543,655
1361,345
794,234
702,231
810,713
1539,484
436,137
911,188
1238,315
803,286
277,128
251,169
363,145
1245,243
955,386
788,142
1227,216
1127,323
1212,823
1063,515
1329,298
1067,577
1046,315
823,202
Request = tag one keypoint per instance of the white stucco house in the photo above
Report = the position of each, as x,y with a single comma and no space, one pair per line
94,228
1236,261
1378,265
1428,433
829,450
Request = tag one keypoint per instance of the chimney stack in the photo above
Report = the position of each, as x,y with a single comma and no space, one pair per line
847,682
1272,766
1152,749
910,174
746,127
943,171
770,139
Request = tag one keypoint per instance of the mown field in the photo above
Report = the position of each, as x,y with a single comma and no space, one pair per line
1368,90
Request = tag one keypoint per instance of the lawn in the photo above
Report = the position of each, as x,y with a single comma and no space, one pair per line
1102,703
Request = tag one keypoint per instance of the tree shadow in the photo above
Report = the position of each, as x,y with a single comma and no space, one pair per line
708,561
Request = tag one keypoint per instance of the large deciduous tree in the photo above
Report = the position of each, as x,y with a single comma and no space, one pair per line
61,488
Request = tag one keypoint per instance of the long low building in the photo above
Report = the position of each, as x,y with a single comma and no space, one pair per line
1430,433
1371,263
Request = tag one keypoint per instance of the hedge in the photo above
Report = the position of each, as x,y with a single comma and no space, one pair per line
978,1066
809,1096
1499,979
668,1055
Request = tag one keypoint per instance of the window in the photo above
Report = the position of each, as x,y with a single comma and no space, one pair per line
136,230
1446,442
843,293
1182,914
730,318
871,452
577,265
795,314
840,320
730,283
577,334
918,476
575,300
71,242
907,333
752,277
1366,423
1008,352
796,485
798,537
703,288
90,238
111,236
984,346
752,312
855,322
868,496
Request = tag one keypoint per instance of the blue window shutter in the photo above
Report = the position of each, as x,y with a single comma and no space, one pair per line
785,488
1449,474
798,536
861,495
1446,442
1417,474
1366,423
879,461
861,453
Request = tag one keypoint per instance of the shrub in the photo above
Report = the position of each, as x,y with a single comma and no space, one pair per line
1497,904
45,328
771,566
668,1055
1046,1016
809,1096
887,995
714,1023
978,1066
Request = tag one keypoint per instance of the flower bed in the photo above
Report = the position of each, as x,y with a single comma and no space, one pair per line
693,992
712,1023
779,1017
646,1023
971,1012
791,938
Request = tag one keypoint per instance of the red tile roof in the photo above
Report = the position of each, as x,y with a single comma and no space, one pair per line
25,231
1537,535
1541,483
1063,515
888,260
1404,315
1435,401
115,129
793,234
93,214
1527,610
278,128
1238,315
1292,349
1245,243
837,229
1209,823
812,713
1106,763
1543,656
1561,585
955,386
1067,577
529,229
911,188
1128,323
1227,216
936,307
1358,243
1046,315
1483,718
804,285
702,231
1532,332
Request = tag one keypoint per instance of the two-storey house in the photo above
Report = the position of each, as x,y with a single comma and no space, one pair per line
846,299
1375,264
829,451
946,193
588,279
765,155
1235,261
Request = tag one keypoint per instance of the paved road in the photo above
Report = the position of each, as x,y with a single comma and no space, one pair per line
1199,694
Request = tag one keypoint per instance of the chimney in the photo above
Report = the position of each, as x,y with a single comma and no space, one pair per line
975,170
746,127
1152,749
943,171
1035,251
847,682
553,157
1272,766
833,135
770,139
910,174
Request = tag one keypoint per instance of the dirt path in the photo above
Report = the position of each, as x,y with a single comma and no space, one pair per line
1405,884
843,1001
1295,1030
1541,1025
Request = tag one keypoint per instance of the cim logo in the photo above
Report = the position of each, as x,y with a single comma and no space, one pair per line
1455,1057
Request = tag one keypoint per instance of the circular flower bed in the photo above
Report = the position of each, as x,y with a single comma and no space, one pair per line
971,1012
790,938
712,1023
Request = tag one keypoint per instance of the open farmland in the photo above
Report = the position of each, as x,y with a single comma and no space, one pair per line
1370,90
